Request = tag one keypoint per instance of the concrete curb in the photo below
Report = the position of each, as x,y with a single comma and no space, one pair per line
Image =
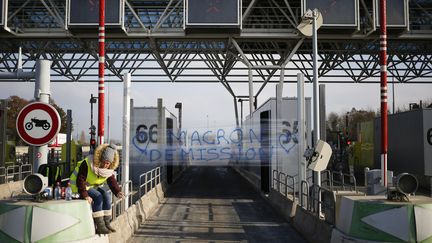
127,223
311,227
308,225
7,189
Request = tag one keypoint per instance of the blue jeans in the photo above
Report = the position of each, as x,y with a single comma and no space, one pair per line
101,199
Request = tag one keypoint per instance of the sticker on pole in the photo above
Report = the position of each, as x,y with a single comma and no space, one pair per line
38,123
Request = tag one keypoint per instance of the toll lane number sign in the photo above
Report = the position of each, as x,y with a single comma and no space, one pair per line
38,123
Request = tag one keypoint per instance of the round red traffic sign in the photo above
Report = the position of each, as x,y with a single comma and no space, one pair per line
38,123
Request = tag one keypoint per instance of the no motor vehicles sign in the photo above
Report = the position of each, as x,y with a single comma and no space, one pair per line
38,123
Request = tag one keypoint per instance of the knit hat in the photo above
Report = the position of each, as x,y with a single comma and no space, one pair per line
109,153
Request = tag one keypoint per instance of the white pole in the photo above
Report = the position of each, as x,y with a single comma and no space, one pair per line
126,134
315,93
251,97
301,130
279,91
42,94
19,66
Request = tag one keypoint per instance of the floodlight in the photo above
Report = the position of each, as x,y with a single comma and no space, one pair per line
35,183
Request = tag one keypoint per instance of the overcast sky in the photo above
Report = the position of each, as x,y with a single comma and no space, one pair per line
203,102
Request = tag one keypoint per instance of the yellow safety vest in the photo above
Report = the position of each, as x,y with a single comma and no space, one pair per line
92,180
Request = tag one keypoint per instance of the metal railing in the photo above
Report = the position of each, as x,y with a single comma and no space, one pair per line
284,184
15,173
326,179
118,206
337,180
304,196
322,203
151,179
319,200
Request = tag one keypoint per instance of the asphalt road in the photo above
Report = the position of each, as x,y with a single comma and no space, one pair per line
214,204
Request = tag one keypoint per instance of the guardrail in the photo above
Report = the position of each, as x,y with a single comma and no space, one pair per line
326,178
304,196
118,206
151,179
318,200
14,173
285,184
323,206
334,183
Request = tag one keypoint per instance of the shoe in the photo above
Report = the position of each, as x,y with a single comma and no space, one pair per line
101,229
107,219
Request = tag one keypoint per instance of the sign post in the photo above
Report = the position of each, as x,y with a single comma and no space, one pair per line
383,64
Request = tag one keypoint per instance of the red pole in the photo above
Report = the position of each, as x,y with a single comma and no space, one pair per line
101,104
383,64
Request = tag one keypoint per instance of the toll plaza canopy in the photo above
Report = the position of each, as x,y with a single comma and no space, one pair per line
217,41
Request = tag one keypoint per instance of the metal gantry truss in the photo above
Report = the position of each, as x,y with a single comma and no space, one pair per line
153,46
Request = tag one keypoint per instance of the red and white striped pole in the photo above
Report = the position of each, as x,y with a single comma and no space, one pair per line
101,105
383,64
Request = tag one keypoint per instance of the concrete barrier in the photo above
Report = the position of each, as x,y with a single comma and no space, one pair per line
311,227
9,189
285,206
128,222
125,224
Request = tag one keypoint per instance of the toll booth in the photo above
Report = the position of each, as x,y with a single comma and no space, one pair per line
409,144
270,143
153,144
